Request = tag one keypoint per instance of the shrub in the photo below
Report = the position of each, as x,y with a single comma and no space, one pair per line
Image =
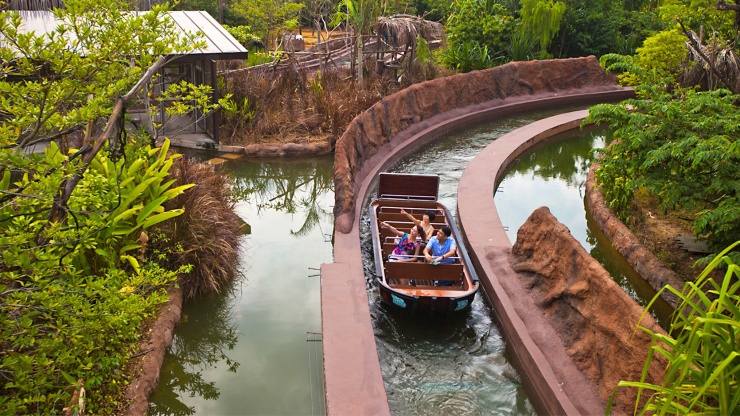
82,285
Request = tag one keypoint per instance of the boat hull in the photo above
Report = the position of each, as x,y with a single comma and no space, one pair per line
417,286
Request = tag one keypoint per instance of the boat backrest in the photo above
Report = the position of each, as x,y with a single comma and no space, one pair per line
391,185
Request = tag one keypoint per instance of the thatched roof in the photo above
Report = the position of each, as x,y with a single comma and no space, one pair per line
402,29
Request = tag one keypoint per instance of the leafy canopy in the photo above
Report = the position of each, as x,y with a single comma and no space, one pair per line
684,149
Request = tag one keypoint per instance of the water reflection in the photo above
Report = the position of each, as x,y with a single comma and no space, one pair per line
275,186
204,335
257,350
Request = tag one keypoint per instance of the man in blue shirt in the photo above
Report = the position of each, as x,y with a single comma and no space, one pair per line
441,247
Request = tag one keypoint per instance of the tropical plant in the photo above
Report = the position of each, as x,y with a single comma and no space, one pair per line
617,20
362,15
703,371
479,25
89,283
466,57
683,148
269,17
522,46
74,225
540,20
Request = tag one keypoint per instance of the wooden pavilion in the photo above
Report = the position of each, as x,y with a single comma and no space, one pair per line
197,67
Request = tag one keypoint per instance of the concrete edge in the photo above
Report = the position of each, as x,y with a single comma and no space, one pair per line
558,386
352,376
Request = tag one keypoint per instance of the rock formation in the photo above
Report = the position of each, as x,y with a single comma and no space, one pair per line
593,316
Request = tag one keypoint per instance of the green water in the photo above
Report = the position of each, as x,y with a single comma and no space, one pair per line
256,350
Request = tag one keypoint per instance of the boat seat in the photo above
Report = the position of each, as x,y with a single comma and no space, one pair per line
397,216
424,275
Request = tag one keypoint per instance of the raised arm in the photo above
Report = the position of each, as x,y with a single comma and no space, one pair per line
393,229
411,217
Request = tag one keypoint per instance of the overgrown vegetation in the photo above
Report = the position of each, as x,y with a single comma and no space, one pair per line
703,371
675,140
684,151
83,266
88,283
299,107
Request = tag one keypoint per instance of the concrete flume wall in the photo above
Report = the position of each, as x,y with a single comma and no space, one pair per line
378,138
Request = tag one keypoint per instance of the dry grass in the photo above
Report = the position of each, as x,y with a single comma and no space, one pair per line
305,107
207,233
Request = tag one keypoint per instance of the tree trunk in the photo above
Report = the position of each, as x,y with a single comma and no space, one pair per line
359,63
59,209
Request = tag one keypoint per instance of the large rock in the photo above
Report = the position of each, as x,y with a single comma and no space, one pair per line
594,317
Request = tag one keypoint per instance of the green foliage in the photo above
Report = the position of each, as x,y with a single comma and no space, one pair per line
696,14
243,34
684,149
484,23
466,57
663,52
86,76
522,46
619,24
435,10
703,372
540,21
87,284
74,263
657,62
268,17
215,8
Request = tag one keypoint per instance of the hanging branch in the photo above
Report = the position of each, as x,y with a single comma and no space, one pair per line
710,63
59,208
722,5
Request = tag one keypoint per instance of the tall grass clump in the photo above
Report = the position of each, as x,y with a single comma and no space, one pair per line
703,371
206,235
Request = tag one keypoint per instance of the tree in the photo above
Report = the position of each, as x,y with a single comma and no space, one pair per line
683,148
71,221
541,20
268,17
362,15
477,31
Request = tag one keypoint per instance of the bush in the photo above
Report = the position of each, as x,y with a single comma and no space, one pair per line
82,280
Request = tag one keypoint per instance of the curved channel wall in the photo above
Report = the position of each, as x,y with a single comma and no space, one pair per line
377,139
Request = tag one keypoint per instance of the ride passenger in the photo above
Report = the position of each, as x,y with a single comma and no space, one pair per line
441,247
407,247
425,222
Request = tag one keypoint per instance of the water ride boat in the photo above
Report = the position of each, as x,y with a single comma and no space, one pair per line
413,284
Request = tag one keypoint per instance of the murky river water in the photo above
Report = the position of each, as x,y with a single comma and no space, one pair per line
256,350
